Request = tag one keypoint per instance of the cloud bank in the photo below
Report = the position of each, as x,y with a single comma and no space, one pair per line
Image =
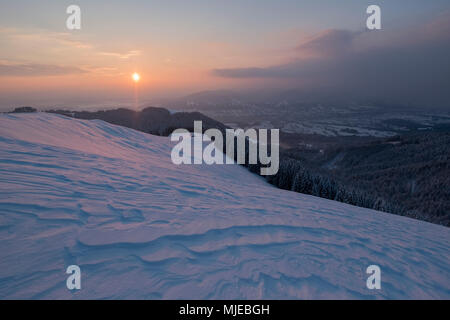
34,70
409,66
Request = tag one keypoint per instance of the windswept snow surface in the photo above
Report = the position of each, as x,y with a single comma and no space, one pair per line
110,200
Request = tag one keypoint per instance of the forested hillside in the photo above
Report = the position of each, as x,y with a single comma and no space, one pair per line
407,175
411,170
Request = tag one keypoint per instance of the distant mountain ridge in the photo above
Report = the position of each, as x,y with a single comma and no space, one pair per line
153,120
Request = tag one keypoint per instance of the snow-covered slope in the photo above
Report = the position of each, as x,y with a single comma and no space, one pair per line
110,200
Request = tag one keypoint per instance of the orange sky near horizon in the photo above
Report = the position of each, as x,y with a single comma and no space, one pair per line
182,47
86,66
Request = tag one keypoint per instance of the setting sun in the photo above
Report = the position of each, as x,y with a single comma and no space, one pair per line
136,77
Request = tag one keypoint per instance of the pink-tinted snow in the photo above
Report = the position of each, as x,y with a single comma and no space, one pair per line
110,200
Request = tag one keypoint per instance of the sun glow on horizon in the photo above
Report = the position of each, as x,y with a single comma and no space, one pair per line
136,77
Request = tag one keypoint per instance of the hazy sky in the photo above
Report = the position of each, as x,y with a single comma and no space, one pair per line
184,46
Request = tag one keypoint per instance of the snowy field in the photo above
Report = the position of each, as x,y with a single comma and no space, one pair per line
109,199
